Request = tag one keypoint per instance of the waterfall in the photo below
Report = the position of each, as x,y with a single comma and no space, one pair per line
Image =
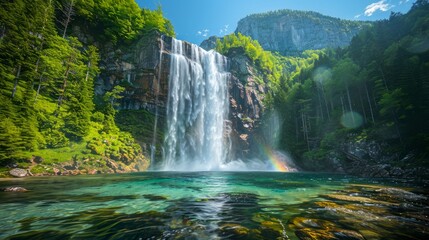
196,110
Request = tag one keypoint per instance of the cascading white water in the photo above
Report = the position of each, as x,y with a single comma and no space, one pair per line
196,110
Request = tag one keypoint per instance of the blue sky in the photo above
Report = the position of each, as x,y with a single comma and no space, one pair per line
195,20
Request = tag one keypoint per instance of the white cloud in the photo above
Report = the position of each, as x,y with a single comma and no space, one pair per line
358,16
203,33
377,6
403,1
224,30
206,32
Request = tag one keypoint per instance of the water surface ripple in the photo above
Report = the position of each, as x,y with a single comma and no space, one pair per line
214,205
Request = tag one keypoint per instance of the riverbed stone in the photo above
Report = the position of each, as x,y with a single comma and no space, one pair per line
312,234
401,194
359,199
234,228
301,222
18,172
354,212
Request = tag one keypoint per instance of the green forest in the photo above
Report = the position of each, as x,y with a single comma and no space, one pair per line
49,60
374,90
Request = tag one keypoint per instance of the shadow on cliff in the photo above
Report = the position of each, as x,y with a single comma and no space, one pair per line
140,123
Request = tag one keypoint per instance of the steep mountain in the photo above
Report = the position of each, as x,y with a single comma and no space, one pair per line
291,32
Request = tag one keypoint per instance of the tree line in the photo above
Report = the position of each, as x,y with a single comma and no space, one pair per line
49,60
375,89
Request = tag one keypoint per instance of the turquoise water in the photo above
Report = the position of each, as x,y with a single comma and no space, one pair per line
214,205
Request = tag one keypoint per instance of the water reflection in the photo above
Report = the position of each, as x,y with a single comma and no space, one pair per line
214,205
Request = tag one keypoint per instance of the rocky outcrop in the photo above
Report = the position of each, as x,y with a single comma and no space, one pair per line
209,43
369,158
247,89
290,32
142,69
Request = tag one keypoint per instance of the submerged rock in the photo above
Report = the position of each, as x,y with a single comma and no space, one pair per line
301,222
152,197
18,172
351,211
312,228
233,228
401,194
357,199
310,234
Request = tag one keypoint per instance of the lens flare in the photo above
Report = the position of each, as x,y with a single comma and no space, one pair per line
419,45
322,74
351,120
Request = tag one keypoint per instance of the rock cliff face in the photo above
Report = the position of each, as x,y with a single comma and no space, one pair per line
209,43
144,72
142,69
247,91
290,32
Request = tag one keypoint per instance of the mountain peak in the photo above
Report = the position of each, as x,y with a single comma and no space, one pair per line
291,31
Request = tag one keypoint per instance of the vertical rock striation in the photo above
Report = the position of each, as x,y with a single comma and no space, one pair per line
290,32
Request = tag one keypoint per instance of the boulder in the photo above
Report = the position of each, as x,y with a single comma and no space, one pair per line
18,172
38,159
14,189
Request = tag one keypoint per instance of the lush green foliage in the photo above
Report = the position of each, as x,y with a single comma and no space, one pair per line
47,78
140,124
154,20
264,59
376,89
112,20
117,19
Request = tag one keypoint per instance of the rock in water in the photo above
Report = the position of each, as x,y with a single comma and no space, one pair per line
14,189
18,172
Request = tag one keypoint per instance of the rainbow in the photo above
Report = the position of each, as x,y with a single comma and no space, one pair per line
275,160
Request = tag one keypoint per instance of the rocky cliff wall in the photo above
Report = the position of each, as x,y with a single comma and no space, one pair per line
142,69
247,89
144,72
290,32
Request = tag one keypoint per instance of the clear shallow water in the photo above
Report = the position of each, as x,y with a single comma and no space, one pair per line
214,205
